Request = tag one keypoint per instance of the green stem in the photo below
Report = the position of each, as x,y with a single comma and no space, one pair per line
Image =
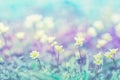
38,60
58,60
96,73
80,58
79,51
115,64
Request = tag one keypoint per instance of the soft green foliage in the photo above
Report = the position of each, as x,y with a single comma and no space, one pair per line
69,70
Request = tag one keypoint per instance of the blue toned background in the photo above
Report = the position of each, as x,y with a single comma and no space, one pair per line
17,9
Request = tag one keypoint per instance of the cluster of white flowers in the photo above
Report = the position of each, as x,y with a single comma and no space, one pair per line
3,28
39,22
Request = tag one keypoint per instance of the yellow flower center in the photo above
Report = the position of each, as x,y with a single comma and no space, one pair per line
34,54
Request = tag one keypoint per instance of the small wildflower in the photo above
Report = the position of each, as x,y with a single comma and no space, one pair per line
20,35
51,39
98,56
59,48
34,54
107,37
79,40
101,43
38,35
108,55
98,62
32,20
98,25
113,51
54,43
3,28
92,32
98,59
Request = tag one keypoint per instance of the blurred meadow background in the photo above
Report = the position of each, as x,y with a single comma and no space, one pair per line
59,40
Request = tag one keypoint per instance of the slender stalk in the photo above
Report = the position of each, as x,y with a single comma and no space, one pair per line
38,60
115,64
79,51
116,67
80,59
96,73
58,60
